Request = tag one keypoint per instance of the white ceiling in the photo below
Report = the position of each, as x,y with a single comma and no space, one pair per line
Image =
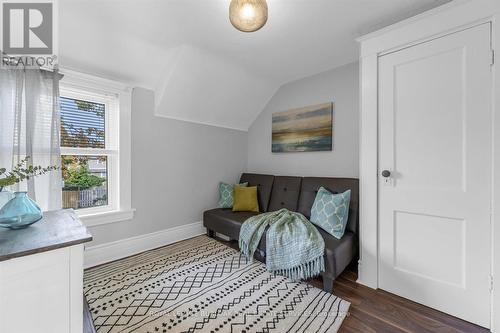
204,70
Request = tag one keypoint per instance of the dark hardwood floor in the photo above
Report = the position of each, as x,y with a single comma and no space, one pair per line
375,310
379,311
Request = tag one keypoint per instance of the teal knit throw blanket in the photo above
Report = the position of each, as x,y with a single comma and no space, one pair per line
294,246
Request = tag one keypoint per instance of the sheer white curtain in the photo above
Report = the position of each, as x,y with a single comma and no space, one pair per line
29,126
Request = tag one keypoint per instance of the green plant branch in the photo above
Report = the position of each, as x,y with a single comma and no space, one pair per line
22,171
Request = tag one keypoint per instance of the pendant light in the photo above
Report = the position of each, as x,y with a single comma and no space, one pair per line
248,15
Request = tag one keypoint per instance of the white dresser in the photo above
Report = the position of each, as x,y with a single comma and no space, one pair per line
41,275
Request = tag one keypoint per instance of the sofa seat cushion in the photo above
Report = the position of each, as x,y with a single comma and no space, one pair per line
225,221
339,252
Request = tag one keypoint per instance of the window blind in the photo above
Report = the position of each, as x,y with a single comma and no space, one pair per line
82,123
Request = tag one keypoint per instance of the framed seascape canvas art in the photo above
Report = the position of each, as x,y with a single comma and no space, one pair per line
305,129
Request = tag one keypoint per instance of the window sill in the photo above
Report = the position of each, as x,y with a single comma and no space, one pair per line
94,219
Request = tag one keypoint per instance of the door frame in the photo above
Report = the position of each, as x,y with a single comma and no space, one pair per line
452,17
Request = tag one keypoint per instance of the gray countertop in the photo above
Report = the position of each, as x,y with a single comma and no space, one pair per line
56,230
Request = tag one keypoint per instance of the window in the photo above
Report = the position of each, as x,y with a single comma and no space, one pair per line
95,148
89,149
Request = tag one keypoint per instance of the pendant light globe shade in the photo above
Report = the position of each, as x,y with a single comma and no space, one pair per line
248,15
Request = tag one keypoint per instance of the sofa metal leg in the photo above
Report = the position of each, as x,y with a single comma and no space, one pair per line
210,233
328,284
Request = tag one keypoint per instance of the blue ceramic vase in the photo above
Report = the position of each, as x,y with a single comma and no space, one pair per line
19,212
5,196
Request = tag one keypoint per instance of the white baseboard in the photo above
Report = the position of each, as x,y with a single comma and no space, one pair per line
103,253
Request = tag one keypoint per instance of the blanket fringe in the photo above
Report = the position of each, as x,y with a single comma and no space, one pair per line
244,249
303,271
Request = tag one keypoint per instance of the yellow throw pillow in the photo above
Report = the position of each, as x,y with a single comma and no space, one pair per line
245,199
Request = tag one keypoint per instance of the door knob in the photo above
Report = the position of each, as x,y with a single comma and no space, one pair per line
386,173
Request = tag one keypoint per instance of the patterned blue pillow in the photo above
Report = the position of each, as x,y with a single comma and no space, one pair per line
226,194
331,211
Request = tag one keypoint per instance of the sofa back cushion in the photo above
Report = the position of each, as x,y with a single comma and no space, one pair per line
285,193
264,185
311,185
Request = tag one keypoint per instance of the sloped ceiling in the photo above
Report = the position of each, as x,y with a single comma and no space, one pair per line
200,67
203,87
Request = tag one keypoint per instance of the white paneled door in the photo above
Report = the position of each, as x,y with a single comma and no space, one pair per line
435,114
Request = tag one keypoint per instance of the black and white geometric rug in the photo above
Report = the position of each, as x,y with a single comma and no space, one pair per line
201,285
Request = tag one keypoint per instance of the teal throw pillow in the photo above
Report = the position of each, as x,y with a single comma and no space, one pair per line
331,211
226,194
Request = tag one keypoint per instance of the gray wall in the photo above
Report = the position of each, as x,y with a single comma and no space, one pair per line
176,168
340,85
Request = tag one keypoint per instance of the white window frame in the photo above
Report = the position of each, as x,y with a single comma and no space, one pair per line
117,99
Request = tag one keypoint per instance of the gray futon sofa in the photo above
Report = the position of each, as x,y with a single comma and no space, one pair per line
296,194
